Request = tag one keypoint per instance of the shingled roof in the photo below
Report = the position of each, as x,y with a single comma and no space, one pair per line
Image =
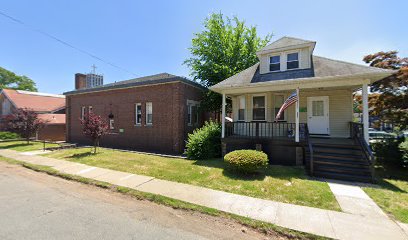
321,67
147,80
38,102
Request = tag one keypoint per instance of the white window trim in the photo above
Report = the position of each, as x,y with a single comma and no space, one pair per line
90,109
266,106
111,124
280,62
284,99
190,104
147,123
141,114
290,52
83,108
239,107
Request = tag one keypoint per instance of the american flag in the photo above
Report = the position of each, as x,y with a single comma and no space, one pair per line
291,100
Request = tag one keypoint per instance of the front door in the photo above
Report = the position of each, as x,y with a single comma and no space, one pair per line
318,115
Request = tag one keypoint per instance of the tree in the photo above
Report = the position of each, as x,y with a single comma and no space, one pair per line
94,127
9,79
224,48
25,122
392,103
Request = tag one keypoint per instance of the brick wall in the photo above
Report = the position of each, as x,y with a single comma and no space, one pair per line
54,132
166,134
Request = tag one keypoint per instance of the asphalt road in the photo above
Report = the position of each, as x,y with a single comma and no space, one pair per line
38,206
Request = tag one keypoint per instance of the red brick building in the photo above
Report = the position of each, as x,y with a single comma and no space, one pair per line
153,113
50,107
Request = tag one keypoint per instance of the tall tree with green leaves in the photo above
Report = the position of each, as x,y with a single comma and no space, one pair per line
225,47
391,105
11,80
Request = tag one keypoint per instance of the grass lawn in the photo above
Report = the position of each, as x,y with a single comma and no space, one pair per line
392,195
22,146
283,184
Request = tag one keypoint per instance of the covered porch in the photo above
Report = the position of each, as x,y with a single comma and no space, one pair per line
319,112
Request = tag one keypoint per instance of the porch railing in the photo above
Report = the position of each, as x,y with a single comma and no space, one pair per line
263,130
357,134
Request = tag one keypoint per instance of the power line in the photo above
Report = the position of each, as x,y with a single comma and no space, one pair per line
65,43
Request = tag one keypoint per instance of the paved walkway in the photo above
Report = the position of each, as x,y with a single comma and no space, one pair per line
337,225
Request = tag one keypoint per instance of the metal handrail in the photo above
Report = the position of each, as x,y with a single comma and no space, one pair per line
356,133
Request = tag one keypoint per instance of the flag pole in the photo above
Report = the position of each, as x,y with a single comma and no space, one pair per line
297,116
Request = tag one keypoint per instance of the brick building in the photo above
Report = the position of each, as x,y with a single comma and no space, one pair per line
49,107
153,113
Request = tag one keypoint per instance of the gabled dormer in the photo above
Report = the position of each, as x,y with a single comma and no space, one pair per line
286,54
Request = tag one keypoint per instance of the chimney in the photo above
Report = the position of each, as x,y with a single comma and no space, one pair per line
80,81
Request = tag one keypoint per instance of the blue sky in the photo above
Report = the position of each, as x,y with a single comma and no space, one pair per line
149,37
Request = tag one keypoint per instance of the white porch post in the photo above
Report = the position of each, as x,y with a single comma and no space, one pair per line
223,116
365,111
297,117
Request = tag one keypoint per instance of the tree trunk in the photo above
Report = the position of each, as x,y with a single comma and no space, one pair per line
95,143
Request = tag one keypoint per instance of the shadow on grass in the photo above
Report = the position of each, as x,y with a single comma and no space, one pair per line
82,155
288,173
384,172
16,145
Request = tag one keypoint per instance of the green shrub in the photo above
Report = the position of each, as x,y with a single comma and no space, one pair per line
204,142
404,149
247,161
388,152
9,135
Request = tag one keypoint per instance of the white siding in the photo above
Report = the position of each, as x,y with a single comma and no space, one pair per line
340,109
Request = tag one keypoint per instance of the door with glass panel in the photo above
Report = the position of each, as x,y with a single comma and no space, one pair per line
318,115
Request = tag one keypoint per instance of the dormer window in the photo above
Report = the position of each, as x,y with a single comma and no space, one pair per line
274,63
292,61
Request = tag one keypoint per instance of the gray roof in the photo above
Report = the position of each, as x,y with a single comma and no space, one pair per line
321,67
147,80
286,42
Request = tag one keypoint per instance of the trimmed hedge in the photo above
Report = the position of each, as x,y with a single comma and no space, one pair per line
9,135
247,161
204,142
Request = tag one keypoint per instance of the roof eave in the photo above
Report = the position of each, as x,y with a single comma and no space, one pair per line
372,77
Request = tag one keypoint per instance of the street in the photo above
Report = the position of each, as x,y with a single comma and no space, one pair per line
38,206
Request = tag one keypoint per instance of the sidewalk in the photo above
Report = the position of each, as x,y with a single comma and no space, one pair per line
351,224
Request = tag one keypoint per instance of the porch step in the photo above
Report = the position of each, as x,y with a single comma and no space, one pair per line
339,161
328,155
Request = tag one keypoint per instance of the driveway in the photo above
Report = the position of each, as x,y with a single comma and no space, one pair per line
38,206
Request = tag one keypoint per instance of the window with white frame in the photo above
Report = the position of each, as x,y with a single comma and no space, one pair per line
279,100
292,61
241,108
111,124
83,109
274,63
149,113
258,108
192,112
138,114
189,111
89,109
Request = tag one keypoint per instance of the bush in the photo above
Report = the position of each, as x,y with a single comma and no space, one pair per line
404,149
388,152
205,142
9,135
247,161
